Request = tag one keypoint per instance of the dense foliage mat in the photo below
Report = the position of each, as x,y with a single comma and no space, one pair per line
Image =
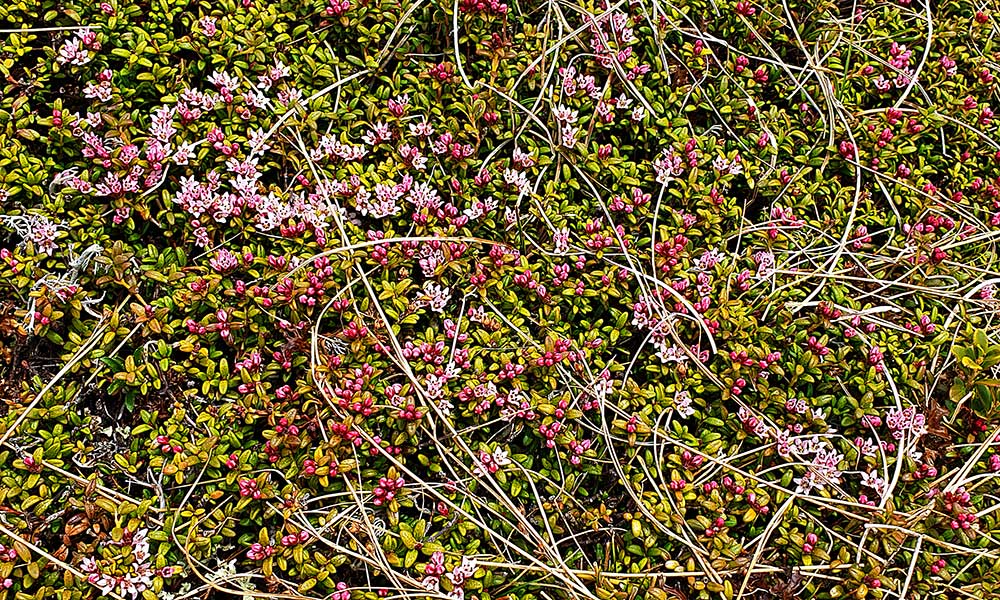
480,299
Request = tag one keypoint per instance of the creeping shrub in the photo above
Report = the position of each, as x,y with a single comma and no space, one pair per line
354,299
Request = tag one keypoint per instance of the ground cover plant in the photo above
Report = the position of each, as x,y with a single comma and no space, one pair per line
351,299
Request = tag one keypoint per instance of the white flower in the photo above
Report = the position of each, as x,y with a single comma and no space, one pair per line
184,153
516,178
872,480
565,115
257,99
805,484
501,458
101,91
523,159
437,296
423,195
430,583
88,565
668,167
682,403
106,583
421,129
561,239
569,136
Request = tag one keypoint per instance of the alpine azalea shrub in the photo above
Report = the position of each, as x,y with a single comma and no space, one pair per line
355,300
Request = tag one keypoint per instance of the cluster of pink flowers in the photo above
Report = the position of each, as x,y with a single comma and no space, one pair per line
958,503
937,566
207,25
824,468
458,576
905,421
751,423
166,446
259,551
249,489
387,490
342,593
925,471
923,326
101,89
140,573
430,353
335,8
294,539
76,49
224,261
37,229
482,7
577,449
7,554
490,462
668,166
899,72
549,433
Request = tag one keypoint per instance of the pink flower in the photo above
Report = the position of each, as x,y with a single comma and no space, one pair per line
337,7
847,150
397,105
224,262
207,26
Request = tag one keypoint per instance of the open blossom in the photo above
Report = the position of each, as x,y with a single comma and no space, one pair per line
184,153
413,156
565,115
668,166
462,572
568,137
561,240
950,66
289,96
421,129
225,83
379,133
39,230
137,579
423,196
822,471
517,179
207,26
490,462
256,99
907,420
682,403
435,296
75,50
100,90
872,480
522,159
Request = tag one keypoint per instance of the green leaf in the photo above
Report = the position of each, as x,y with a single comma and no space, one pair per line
408,540
410,559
